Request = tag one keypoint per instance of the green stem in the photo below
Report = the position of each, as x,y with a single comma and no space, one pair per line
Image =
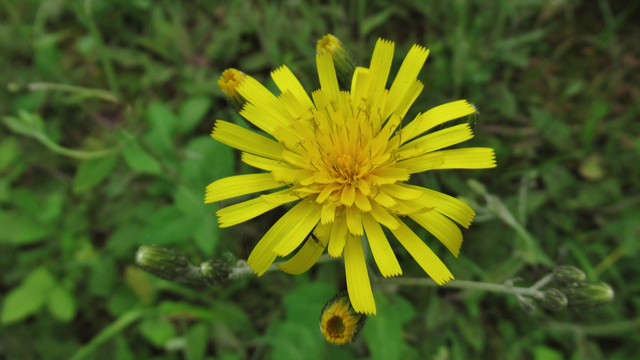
111,330
244,269
598,330
98,93
102,49
462,284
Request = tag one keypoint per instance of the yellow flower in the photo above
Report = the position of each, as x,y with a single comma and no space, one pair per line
339,323
228,83
345,155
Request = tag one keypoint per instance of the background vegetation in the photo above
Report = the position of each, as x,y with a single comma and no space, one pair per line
106,109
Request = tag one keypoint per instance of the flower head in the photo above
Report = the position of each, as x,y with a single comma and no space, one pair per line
339,323
343,60
228,83
345,156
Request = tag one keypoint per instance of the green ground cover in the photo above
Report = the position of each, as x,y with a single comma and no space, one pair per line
106,109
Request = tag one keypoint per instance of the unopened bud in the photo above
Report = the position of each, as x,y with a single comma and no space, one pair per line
567,274
167,264
339,323
215,272
554,300
343,59
588,294
228,83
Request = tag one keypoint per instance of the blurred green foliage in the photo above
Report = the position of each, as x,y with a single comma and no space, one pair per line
106,109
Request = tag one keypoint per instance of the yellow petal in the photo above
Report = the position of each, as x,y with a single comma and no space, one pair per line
407,74
293,105
286,81
447,205
358,284
281,197
359,86
422,163
436,116
327,191
383,199
400,192
382,216
426,258
266,121
442,228
328,212
362,202
263,163
380,248
306,222
327,75
292,176
233,186
309,253
338,236
441,139
468,158
241,212
354,220
348,195
407,100
296,160
245,140
262,256
379,68
264,100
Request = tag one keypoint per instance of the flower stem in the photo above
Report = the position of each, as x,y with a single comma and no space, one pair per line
462,284
244,269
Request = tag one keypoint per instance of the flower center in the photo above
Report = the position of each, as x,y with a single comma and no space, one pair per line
347,167
335,327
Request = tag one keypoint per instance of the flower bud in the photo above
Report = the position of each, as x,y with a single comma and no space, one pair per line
554,300
588,294
343,59
567,274
339,323
215,272
167,264
228,83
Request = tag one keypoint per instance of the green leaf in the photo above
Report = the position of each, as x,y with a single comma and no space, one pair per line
206,160
291,340
192,112
61,304
189,201
542,352
157,331
19,229
139,160
471,332
123,240
552,129
207,233
163,124
197,339
168,226
383,332
27,298
91,172
303,305
9,151
598,110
